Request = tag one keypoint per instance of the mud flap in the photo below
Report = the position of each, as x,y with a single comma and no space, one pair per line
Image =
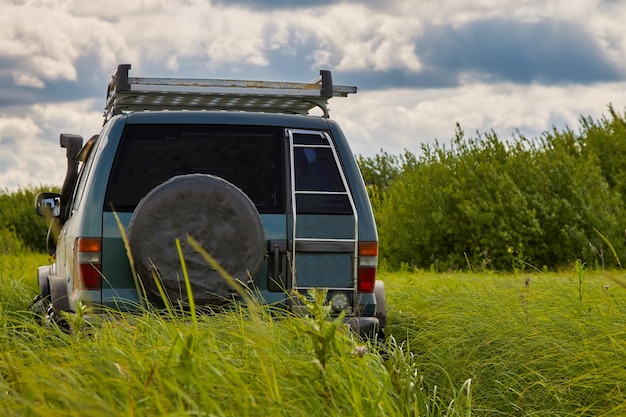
58,294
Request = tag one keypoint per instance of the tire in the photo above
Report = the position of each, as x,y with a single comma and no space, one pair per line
39,308
215,213
54,318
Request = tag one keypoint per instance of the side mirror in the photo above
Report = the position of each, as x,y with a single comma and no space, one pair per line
48,204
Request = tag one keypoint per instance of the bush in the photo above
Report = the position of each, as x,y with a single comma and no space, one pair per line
605,140
19,220
483,203
10,244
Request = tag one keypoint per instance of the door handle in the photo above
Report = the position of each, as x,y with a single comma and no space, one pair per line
276,262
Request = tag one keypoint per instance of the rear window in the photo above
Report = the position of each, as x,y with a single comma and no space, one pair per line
319,184
248,157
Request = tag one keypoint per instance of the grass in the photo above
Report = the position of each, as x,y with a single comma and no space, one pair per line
532,344
460,345
230,364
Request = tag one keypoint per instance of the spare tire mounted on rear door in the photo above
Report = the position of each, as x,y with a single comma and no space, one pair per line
214,212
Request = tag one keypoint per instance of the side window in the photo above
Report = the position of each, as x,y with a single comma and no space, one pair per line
249,157
318,182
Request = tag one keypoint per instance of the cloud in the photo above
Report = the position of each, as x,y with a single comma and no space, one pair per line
398,119
420,66
29,138
271,5
545,51
74,47
43,42
20,149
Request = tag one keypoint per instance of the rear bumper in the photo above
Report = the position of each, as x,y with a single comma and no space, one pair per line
364,326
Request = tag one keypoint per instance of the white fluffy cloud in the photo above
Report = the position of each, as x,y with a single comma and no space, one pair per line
31,154
56,57
353,37
22,152
44,40
395,120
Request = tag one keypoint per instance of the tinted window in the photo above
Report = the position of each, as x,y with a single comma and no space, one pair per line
248,157
317,180
316,170
309,139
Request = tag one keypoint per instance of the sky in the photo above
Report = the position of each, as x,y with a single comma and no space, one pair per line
421,66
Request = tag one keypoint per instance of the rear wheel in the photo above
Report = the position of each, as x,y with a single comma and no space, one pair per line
215,213
39,306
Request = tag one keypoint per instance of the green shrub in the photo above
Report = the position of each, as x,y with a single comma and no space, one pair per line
10,243
18,217
605,140
480,202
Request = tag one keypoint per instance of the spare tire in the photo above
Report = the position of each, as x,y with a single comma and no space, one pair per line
215,213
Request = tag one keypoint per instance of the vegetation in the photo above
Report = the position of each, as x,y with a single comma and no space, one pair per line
19,225
476,203
483,203
530,342
459,344
533,344
241,362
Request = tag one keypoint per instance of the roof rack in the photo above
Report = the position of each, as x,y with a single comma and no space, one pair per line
125,94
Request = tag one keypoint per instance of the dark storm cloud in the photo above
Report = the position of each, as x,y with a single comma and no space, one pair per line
546,51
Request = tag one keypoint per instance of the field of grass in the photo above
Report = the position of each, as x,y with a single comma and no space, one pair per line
459,344
532,344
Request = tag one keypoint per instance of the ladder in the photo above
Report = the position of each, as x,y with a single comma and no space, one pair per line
300,244
126,94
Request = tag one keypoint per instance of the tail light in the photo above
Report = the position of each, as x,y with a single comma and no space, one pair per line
368,262
88,258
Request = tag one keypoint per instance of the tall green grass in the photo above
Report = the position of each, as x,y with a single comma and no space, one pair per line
242,362
459,345
532,344
18,278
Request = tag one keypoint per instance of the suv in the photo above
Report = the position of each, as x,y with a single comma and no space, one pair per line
272,193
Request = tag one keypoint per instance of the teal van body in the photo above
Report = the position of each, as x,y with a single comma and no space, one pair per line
298,173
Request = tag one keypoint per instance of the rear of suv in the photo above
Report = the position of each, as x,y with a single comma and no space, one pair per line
272,193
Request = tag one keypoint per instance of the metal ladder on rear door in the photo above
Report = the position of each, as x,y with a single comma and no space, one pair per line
320,244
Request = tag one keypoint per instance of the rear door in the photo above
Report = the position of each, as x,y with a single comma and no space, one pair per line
322,223
250,157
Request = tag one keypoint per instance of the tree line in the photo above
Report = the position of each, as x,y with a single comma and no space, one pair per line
480,202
